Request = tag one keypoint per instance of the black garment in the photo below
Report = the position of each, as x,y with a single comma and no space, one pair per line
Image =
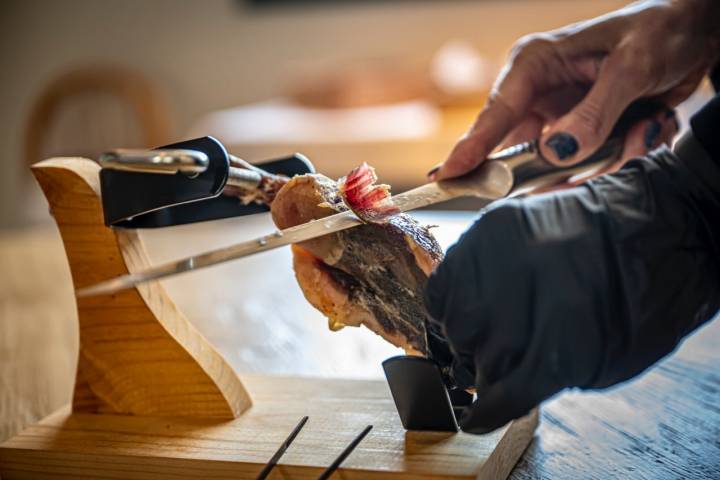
585,287
715,77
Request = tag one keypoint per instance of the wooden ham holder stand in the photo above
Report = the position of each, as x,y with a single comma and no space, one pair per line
153,399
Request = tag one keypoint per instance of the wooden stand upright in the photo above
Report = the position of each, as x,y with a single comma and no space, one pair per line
138,354
153,399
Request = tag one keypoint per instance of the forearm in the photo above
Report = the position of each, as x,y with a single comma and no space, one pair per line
585,287
701,155
663,257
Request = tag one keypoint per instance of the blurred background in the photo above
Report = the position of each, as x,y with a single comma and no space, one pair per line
393,83
267,77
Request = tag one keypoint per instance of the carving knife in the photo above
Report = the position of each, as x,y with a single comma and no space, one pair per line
515,170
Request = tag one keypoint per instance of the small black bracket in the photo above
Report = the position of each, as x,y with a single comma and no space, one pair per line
148,200
421,397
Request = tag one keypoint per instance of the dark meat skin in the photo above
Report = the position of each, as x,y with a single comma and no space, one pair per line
388,280
373,274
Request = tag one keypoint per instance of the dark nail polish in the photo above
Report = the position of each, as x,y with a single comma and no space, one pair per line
433,171
564,145
652,132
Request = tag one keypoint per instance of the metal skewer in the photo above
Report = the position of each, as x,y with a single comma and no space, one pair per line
344,454
241,174
280,451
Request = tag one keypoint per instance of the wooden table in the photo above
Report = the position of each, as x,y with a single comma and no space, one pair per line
665,424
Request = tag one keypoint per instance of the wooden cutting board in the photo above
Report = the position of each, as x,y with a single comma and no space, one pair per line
119,446
191,414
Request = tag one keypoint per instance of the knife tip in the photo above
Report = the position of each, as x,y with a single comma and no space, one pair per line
103,288
89,291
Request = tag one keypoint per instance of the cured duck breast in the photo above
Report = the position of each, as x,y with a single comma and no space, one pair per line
373,274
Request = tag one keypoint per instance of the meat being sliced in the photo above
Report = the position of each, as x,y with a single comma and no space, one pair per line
370,202
371,275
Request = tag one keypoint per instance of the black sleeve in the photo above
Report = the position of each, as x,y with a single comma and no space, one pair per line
705,125
715,77
701,155
586,287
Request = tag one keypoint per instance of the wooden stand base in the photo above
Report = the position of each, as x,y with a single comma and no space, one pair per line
153,399
84,445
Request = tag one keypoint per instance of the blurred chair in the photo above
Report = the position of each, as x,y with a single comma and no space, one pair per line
91,109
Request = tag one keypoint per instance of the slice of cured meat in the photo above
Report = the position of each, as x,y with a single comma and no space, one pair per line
371,275
370,202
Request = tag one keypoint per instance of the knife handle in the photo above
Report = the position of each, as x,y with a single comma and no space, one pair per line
532,171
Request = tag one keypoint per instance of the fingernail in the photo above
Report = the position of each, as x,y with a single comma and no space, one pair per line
432,172
652,132
564,145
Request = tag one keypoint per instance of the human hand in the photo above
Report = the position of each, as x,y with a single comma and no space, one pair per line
569,86
581,288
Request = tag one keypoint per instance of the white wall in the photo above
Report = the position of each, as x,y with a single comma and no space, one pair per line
210,54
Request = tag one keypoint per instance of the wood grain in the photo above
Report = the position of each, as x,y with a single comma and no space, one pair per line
38,328
138,354
662,425
112,446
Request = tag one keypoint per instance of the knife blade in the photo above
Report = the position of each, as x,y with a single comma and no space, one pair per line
492,180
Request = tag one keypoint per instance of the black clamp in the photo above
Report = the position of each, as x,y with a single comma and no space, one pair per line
421,397
183,183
